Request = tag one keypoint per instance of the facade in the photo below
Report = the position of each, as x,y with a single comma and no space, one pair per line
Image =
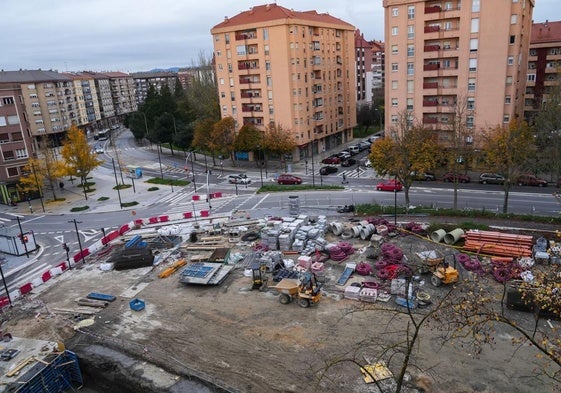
16,144
295,69
442,54
364,69
122,92
378,67
86,98
544,65
143,80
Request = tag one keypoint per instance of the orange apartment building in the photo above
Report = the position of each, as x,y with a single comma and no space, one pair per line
295,69
439,53
544,65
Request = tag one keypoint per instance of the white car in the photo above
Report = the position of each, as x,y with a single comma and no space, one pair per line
99,150
239,179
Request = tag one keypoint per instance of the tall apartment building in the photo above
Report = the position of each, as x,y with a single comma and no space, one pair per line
364,71
16,144
143,81
439,53
295,69
544,65
122,92
86,98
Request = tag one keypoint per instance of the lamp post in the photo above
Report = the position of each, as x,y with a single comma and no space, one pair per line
395,200
158,146
4,281
117,183
260,164
313,174
78,236
39,188
193,169
21,237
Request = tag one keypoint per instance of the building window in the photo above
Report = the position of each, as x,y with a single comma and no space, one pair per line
394,119
410,32
410,68
224,108
21,153
513,19
240,50
507,100
410,104
394,50
395,67
269,81
266,50
410,86
531,77
475,25
3,121
394,102
475,6
268,65
394,85
473,65
395,11
469,121
512,39
231,82
510,60
395,30
265,34
471,84
410,50
411,12
506,118
471,103
473,44
218,53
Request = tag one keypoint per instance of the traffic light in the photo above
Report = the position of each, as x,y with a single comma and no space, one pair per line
25,239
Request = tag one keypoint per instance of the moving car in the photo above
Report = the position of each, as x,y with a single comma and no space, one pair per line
331,160
289,179
389,185
531,180
239,179
326,170
491,178
424,176
459,178
98,150
348,162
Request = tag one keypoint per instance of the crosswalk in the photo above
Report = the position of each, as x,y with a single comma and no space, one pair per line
8,219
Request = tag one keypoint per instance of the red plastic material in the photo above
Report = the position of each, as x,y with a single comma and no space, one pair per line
46,276
25,288
153,220
218,195
164,218
124,228
204,213
196,197
63,266
187,215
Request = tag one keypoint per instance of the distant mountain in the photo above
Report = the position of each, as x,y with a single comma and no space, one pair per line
171,69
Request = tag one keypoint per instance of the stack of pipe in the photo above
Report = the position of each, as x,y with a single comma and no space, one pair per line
497,243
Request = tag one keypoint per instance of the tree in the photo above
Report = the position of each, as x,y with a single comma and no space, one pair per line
78,157
222,138
249,138
278,141
365,116
184,134
507,149
136,123
547,127
202,96
202,134
163,130
409,150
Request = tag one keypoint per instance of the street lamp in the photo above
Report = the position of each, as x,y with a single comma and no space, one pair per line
4,281
117,183
78,236
395,200
21,237
39,188
193,169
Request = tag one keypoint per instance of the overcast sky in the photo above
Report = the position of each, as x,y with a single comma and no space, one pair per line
139,35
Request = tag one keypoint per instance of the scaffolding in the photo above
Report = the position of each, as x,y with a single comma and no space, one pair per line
53,373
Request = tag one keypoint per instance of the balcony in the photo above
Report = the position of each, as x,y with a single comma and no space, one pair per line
251,94
433,9
246,35
253,65
430,85
430,102
432,29
245,81
430,120
252,108
431,67
431,48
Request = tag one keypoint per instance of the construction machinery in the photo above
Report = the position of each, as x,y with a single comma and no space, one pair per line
259,281
306,290
445,273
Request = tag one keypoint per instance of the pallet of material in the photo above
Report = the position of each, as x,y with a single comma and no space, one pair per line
499,244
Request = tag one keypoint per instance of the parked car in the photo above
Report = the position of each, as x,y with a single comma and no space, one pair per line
364,145
354,150
343,155
98,150
459,178
531,180
239,179
389,185
289,179
348,162
424,176
491,178
326,170
331,160
374,138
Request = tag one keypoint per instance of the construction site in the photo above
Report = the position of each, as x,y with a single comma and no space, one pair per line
276,304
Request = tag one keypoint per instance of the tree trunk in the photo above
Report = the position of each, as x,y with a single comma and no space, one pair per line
407,200
505,199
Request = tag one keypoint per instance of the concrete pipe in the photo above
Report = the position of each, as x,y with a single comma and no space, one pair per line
366,232
347,234
453,236
438,235
356,230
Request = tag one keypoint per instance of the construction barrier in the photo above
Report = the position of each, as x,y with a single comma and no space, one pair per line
153,220
163,218
196,198
125,228
187,215
25,289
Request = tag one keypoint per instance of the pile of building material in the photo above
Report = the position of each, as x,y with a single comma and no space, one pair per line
295,234
497,243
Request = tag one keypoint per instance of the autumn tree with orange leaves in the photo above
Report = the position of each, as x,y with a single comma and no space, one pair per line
278,141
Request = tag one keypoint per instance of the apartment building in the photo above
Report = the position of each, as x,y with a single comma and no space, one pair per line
86,98
16,144
364,69
292,68
544,66
443,55
122,92
143,81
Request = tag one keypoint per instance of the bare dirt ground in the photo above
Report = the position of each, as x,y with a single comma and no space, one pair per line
246,341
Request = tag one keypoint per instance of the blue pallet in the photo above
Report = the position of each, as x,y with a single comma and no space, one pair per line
345,276
137,304
101,296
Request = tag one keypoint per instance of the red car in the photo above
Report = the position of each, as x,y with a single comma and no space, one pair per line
459,178
289,179
389,185
331,160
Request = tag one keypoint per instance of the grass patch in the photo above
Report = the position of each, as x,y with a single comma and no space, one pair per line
55,200
79,208
129,204
90,190
101,199
297,187
122,187
153,189
168,182
86,184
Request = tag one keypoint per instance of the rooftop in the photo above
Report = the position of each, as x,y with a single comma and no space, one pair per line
545,32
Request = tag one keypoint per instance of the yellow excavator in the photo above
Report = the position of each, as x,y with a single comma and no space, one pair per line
306,290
